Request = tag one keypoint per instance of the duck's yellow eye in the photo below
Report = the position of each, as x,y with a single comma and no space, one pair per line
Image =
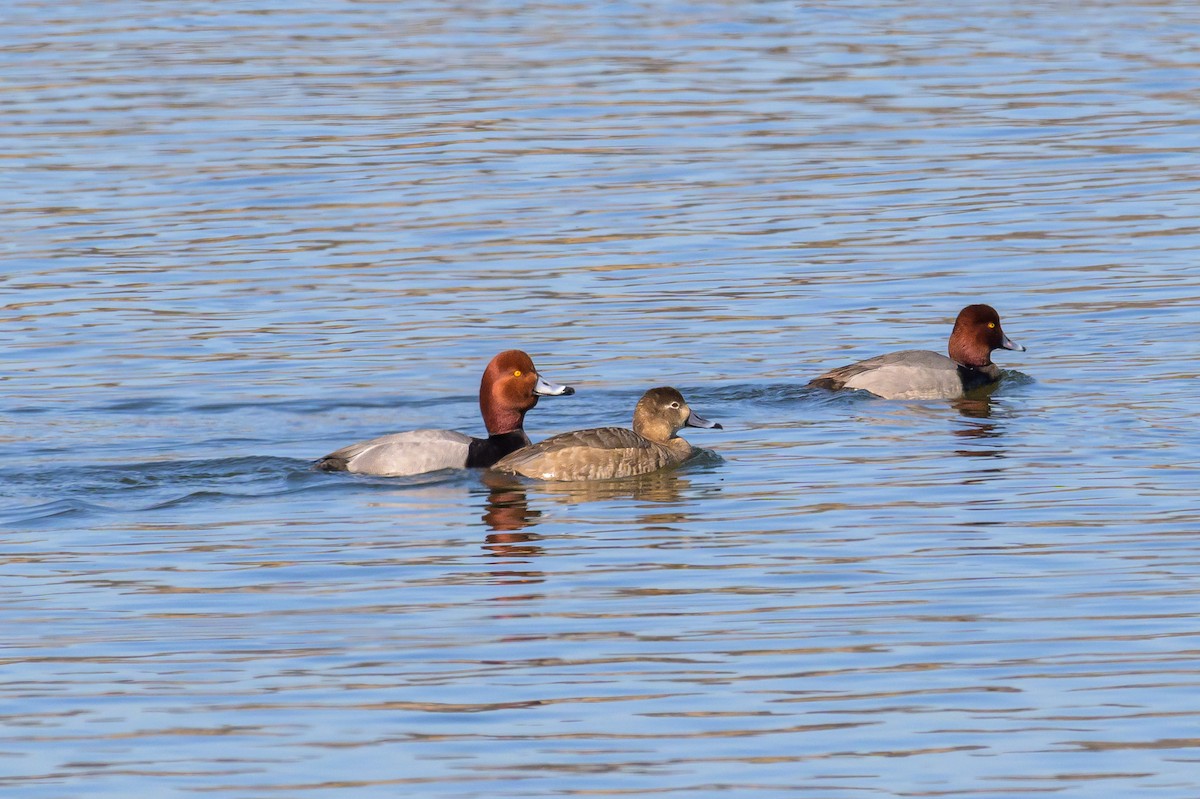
517,373
991,324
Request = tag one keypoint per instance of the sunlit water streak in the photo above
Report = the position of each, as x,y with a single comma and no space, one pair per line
237,236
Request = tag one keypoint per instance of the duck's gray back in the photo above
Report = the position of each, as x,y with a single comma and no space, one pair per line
399,454
601,453
908,374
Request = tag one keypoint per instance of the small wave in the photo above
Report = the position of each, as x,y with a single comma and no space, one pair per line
329,405
138,405
118,487
58,509
771,393
159,485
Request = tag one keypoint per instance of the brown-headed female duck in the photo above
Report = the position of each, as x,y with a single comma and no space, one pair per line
510,388
604,453
922,374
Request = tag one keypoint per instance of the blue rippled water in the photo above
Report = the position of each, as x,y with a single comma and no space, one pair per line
240,235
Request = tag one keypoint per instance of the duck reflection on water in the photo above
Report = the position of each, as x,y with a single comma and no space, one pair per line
508,511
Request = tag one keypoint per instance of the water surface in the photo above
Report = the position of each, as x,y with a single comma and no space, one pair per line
237,236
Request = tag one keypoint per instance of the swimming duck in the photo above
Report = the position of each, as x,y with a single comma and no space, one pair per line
510,387
922,374
603,453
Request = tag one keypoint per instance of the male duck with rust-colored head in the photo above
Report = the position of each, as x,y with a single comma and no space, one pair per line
922,374
509,389
604,453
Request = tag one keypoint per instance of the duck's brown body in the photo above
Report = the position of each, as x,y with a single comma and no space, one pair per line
605,453
601,453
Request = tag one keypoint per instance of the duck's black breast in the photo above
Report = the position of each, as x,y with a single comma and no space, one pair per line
973,378
484,452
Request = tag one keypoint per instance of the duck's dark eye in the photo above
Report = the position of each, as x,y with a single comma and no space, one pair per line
674,404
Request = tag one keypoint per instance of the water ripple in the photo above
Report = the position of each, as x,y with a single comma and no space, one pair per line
243,235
